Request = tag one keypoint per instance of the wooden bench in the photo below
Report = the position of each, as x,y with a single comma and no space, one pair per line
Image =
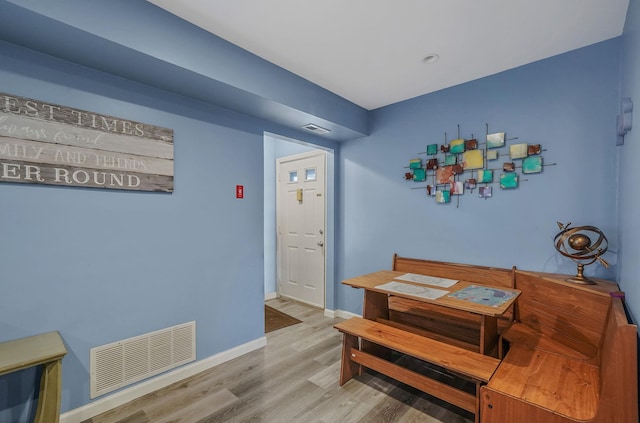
572,357
369,344
456,327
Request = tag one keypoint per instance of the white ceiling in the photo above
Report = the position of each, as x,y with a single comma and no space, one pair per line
371,51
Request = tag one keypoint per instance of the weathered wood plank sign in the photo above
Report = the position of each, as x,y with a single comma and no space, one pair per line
44,143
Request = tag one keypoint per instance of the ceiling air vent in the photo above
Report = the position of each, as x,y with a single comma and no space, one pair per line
316,129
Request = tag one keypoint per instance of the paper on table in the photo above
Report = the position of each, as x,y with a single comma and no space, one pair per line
414,290
492,297
429,280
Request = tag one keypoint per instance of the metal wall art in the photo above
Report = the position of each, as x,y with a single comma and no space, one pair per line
462,165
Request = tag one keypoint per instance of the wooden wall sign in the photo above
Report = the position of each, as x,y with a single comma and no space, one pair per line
44,143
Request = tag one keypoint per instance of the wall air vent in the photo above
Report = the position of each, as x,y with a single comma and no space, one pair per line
122,363
316,129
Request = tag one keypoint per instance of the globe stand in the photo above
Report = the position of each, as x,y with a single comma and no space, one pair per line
575,244
580,277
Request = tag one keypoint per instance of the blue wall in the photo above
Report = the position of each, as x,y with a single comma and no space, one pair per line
629,171
100,266
566,103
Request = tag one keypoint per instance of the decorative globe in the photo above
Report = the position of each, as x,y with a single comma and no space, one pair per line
579,242
578,246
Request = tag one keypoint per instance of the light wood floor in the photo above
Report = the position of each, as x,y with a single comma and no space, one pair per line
293,379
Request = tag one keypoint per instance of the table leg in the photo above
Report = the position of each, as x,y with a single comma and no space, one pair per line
489,335
376,305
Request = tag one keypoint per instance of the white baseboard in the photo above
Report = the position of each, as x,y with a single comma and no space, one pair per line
270,296
340,314
119,398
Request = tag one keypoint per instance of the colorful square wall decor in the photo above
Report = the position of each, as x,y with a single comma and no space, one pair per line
518,151
471,144
415,163
485,192
465,164
472,159
432,164
495,140
485,176
508,180
444,175
457,188
534,149
532,164
456,146
443,196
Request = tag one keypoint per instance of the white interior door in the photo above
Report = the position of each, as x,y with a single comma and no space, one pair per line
301,227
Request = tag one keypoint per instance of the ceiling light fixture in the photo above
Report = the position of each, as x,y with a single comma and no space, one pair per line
431,58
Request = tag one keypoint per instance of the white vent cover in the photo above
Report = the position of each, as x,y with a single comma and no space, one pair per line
124,362
315,128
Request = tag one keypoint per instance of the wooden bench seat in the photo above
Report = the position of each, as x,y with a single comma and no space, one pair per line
572,357
555,383
470,365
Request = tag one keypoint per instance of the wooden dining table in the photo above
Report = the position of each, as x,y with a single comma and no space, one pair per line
376,301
